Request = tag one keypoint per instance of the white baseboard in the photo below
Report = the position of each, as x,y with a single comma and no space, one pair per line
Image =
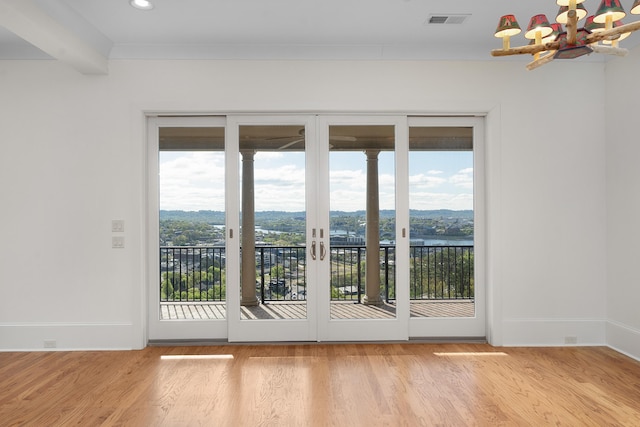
553,332
123,336
623,339
68,336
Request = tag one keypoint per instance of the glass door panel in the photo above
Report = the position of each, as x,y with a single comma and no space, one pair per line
441,218
362,221
273,222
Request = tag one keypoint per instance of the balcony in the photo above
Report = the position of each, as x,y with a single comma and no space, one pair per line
193,282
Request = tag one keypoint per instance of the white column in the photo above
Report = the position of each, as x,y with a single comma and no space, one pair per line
372,274
248,232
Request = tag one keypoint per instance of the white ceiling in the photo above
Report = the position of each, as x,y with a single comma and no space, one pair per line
261,29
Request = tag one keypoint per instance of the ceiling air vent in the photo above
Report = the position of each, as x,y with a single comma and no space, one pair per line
447,18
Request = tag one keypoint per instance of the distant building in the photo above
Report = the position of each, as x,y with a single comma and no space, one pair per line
345,238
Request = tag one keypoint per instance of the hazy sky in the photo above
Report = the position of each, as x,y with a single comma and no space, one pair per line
438,180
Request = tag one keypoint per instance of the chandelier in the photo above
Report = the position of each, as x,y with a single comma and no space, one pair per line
600,33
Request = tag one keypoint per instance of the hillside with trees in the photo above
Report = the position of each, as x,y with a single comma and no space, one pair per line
191,228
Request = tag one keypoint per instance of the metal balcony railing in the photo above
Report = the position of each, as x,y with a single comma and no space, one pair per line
197,273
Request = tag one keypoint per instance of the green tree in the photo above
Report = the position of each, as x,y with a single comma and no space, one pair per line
277,272
442,273
172,283
166,291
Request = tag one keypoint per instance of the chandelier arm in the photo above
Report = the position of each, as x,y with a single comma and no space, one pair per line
607,34
609,50
530,49
540,62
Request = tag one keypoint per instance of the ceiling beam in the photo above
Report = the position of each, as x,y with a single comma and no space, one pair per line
28,21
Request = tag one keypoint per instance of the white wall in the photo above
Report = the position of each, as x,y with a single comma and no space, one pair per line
623,202
73,160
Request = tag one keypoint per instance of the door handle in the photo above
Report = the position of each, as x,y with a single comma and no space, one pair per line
313,250
323,251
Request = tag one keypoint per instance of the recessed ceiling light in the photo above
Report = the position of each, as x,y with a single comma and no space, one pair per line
141,4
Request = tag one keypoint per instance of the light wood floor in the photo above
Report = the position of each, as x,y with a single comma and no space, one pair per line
408,384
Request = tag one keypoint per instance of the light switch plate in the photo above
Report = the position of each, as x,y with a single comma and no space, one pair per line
117,242
117,226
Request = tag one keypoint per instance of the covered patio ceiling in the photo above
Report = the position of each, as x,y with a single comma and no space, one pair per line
292,138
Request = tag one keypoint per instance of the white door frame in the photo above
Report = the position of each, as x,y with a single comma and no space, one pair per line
318,326
463,327
192,329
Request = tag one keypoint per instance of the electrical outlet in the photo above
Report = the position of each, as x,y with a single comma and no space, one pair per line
571,340
50,344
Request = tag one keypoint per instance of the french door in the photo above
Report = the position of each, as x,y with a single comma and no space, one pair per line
314,229
273,236
363,159
187,280
447,217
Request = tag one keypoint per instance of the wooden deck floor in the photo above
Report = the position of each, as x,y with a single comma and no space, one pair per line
298,310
